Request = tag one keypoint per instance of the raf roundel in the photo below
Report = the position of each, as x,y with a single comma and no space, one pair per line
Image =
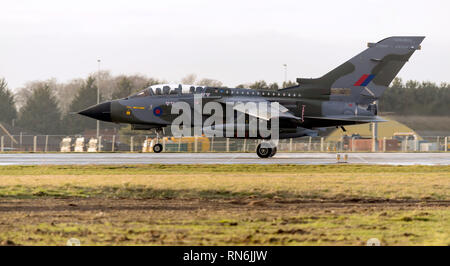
157,111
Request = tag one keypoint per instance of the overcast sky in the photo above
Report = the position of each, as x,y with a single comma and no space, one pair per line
232,41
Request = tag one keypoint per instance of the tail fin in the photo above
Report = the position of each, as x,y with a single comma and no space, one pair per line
364,78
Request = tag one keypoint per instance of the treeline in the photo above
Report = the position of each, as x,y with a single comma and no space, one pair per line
49,107
416,98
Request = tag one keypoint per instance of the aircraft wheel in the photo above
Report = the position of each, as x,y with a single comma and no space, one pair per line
274,151
157,148
263,152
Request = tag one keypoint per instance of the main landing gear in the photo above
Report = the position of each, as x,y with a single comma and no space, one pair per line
265,150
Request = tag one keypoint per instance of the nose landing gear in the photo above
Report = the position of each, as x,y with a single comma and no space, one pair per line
157,148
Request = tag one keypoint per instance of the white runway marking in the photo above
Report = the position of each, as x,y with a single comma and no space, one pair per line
221,158
359,157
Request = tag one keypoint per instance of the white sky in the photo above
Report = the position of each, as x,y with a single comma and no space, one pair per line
232,41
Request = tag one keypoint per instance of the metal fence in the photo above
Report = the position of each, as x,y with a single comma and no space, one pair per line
143,143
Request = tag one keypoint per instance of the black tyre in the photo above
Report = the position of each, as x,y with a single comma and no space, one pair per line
263,152
274,151
157,148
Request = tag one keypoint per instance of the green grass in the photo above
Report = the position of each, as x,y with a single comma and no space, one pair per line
253,228
347,182
167,168
225,204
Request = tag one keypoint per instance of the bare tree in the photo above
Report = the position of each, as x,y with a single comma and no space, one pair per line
67,92
243,86
189,79
22,94
209,82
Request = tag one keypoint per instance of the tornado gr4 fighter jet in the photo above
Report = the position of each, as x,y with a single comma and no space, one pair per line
346,95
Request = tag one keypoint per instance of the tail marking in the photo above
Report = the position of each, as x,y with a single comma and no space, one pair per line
364,80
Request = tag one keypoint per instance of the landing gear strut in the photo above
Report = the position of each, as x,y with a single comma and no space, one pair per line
264,151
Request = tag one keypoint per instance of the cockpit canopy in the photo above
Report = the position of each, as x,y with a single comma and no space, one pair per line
166,89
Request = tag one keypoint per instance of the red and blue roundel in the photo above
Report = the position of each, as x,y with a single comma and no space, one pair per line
157,111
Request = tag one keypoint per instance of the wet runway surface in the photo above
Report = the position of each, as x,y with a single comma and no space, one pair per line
222,158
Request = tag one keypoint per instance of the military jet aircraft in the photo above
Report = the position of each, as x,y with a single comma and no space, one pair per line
346,95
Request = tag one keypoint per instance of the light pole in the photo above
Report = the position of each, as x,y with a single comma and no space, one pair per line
98,95
285,73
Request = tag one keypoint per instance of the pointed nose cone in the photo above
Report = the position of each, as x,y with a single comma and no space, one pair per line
100,111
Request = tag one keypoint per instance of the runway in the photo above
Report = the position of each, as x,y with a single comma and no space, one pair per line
221,158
